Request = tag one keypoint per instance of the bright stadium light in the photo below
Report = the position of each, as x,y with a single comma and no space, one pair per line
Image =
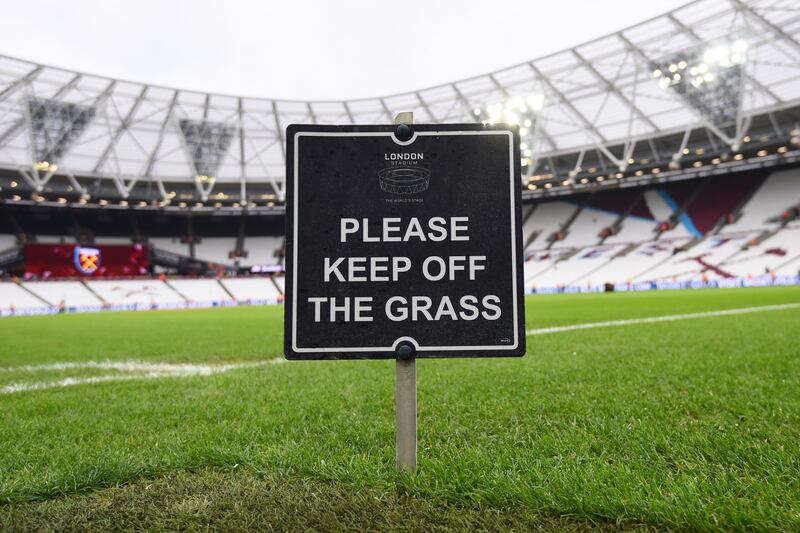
708,80
521,111
515,110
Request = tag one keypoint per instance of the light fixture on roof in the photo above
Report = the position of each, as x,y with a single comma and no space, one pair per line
711,81
45,166
518,110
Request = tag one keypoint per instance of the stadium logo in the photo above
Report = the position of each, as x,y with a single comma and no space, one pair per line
405,176
87,260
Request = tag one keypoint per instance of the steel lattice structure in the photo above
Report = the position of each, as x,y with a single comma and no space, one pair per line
680,93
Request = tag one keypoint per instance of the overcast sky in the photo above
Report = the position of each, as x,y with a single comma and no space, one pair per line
305,49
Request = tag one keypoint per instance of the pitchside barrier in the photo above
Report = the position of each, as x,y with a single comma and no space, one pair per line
53,310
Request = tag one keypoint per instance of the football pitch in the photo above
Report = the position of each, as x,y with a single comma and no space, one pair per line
184,420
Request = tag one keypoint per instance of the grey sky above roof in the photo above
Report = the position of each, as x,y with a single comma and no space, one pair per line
305,50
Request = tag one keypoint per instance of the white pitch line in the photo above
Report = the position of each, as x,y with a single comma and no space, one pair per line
151,371
133,366
665,318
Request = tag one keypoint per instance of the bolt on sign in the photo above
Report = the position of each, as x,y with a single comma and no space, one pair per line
405,234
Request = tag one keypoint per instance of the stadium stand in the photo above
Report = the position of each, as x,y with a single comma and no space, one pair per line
725,226
245,289
585,229
547,219
731,226
215,249
263,251
55,239
14,297
112,240
7,241
778,192
71,293
200,290
173,245
135,292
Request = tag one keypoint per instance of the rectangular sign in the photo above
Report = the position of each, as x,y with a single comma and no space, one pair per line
85,260
394,240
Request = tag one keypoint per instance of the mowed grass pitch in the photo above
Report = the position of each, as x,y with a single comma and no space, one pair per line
691,424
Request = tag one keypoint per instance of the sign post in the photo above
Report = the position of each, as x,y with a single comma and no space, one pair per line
406,387
403,241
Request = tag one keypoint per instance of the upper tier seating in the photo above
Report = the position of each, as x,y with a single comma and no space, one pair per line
7,241
170,244
215,249
262,251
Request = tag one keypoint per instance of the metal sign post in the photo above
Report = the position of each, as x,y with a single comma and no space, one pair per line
406,387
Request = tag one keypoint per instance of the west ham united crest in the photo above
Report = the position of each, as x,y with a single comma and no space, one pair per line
87,260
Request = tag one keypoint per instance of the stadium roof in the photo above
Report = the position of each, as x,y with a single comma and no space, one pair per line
709,73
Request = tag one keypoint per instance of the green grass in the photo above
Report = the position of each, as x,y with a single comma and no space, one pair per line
692,424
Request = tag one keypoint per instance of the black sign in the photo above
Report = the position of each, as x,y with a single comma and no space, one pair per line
391,241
